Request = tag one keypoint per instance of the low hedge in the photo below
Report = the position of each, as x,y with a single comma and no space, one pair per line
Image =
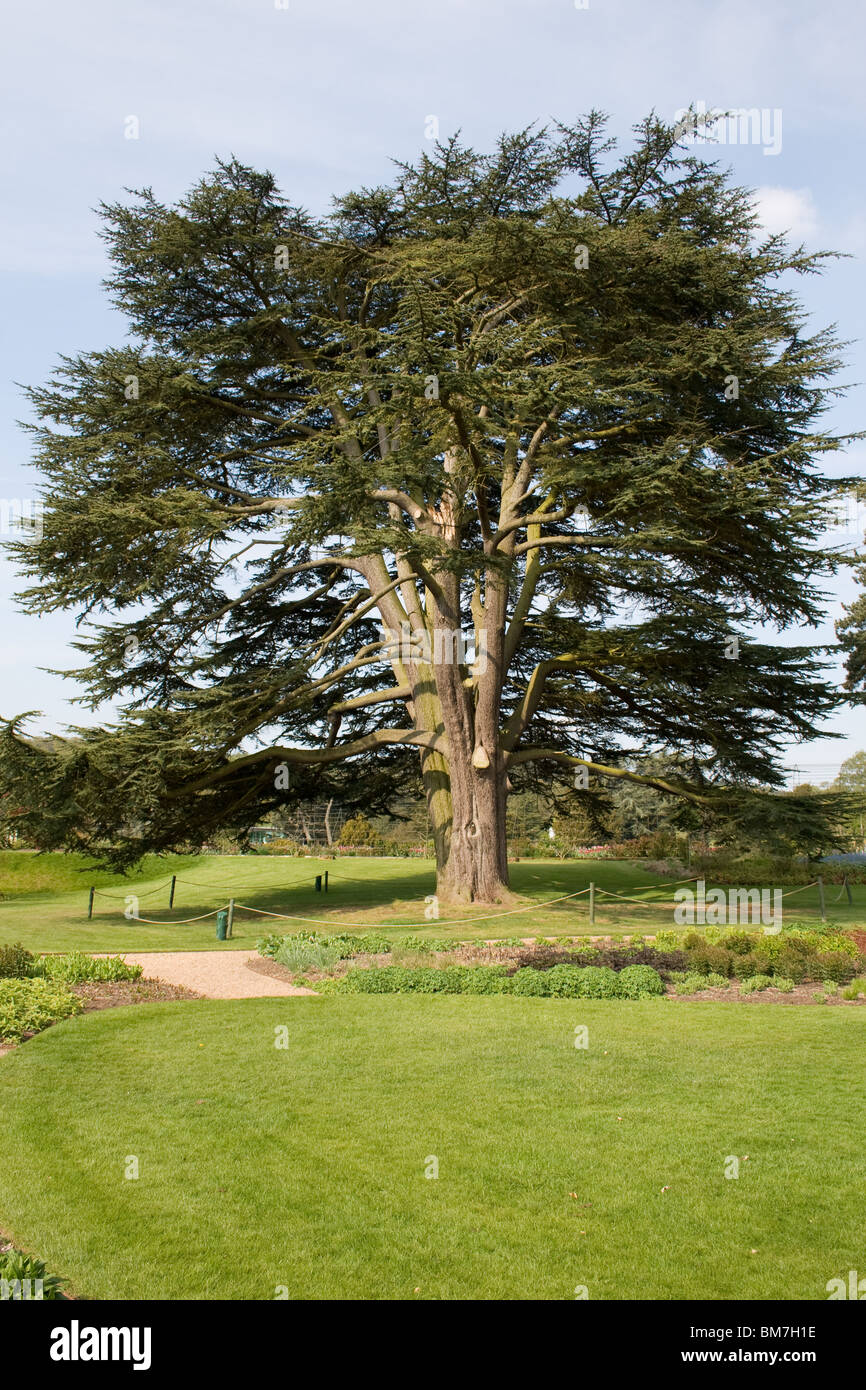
617,958
561,981
423,979
796,953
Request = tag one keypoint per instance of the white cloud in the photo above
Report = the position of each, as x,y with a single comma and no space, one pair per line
789,210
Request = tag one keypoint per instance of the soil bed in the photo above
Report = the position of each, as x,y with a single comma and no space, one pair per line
111,994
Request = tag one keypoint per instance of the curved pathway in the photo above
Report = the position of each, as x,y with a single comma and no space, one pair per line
214,974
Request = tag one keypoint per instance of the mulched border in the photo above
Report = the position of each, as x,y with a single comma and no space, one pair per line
114,994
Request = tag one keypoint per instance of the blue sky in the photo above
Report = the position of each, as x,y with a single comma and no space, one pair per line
325,93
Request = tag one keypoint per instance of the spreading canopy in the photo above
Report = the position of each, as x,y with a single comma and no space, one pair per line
560,402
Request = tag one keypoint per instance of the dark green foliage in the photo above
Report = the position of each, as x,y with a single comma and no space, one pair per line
711,960
568,981
740,942
639,982
397,979
793,965
15,961
559,982
229,529
613,957
528,981
751,963
833,965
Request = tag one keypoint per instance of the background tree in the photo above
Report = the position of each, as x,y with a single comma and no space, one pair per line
551,397
852,629
852,781
358,831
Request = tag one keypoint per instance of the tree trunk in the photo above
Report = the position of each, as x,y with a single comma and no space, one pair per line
468,823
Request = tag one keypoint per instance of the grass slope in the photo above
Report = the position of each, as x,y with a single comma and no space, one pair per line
43,900
304,1168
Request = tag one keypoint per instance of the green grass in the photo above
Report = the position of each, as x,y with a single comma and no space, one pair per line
304,1167
43,900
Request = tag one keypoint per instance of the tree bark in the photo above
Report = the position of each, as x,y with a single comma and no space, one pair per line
471,857
466,792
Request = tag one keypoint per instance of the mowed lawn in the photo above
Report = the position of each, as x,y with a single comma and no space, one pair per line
267,1171
44,900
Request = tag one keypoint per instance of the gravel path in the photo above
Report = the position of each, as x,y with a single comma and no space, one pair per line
215,974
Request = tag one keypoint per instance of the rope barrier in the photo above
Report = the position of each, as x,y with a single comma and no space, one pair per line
115,898
791,891
642,886
636,902
453,921
448,922
180,922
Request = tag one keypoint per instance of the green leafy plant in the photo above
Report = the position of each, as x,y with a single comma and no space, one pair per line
691,983
596,982
639,982
347,945
528,981
855,990
28,1006
21,1272
76,968
561,982
301,956
396,979
668,940
754,983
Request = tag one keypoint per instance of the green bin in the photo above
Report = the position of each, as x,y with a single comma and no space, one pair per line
222,924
